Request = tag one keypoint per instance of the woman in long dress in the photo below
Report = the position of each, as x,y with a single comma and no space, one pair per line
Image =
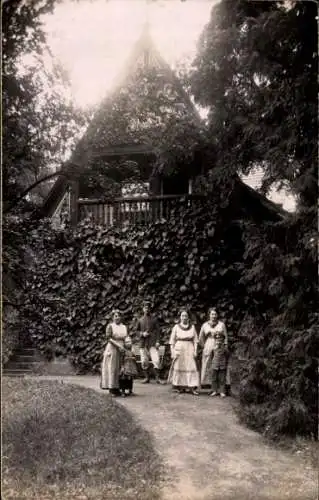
207,340
183,342
116,334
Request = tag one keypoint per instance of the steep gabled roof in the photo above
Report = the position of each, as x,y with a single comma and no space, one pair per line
134,115
146,95
130,118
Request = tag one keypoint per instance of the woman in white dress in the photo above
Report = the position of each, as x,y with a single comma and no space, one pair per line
183,342
116,334
206,339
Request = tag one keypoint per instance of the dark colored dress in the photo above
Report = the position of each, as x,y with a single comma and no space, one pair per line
127,372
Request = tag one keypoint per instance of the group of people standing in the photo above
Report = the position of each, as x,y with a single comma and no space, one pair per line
119,365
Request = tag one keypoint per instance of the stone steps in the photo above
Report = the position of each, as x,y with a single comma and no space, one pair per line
25,360
16,373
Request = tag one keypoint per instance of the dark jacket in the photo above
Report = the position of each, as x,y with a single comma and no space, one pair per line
148,324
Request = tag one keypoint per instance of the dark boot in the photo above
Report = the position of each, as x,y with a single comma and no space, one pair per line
115,392
146,380
157,378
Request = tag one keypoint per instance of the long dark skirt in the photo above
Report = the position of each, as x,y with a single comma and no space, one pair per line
126,383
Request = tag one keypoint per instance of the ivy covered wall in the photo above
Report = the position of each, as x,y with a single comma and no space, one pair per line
211,256
191,260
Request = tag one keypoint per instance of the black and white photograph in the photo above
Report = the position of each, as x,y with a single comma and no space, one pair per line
160,335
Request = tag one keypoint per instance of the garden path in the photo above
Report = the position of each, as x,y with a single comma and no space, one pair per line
208,454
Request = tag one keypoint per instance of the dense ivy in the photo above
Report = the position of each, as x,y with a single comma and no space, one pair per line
259,277
80,276
72,279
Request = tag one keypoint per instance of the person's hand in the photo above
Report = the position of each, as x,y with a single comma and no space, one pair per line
145,334
157,345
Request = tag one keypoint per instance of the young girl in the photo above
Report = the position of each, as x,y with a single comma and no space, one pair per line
128,370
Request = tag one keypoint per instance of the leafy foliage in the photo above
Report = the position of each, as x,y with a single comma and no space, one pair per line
14,234
248,56
40,123
79,277
150,110
38,127
279,388
10,338
143,104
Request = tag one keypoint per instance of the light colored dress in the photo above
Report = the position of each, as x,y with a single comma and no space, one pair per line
183,371
112,356
206,339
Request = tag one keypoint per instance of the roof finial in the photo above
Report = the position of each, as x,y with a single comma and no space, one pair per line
146,27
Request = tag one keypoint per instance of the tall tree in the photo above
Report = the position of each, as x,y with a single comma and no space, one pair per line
256,70
39,125
39,122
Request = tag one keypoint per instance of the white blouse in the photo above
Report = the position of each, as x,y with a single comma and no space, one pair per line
207,333
179,333
116,331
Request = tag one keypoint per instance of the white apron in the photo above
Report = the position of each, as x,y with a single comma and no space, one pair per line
111,363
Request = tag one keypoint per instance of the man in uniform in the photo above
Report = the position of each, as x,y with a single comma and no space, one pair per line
148,333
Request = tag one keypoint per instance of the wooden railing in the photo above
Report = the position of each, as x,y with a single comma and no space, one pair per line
135,210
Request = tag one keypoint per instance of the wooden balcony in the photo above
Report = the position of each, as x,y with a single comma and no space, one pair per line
133,210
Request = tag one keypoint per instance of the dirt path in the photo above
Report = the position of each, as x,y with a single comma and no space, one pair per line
208,454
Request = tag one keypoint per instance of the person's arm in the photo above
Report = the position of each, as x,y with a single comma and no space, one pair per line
108,331
172,341
202,336
196,341
157,333
127,335
138,330
226,336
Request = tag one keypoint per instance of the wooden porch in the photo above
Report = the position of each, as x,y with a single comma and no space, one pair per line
133,210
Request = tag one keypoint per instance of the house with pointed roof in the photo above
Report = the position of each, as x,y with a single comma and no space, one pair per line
147,116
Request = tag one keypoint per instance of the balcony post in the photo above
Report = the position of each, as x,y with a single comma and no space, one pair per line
161,202
74,196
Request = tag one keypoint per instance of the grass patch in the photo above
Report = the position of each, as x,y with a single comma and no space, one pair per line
67,442
305,448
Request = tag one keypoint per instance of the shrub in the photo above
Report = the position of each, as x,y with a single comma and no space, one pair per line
10,332
279,380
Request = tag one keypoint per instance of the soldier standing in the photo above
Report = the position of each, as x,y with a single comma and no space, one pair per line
149,341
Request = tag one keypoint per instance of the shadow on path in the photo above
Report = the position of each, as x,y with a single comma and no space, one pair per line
209,455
